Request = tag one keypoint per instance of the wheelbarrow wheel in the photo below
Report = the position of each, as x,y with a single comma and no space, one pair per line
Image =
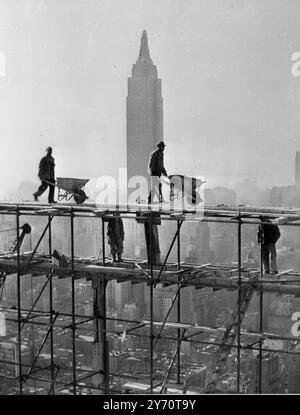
80,197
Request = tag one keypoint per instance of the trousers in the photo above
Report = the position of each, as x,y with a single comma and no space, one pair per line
43,187
267,251
155,189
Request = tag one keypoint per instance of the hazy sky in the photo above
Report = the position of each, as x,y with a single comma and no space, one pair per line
231,103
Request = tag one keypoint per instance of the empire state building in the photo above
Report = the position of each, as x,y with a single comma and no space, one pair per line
144,111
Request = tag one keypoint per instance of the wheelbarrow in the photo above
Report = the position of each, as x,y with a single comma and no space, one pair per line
69,187
184,186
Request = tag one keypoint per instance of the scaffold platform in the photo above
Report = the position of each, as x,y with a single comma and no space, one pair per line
232,277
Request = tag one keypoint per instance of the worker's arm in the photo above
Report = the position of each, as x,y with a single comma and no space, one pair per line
109,228
152,163
122,230
42,168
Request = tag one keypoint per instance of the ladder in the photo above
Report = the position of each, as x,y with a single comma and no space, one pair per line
229,337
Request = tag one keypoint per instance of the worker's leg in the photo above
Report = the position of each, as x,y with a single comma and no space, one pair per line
274,267
120,249
265,258
160,193
41,189
113,246
51,192
113,253
154,189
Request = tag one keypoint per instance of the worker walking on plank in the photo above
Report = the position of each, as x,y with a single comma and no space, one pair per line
115,232
156,169
47,176
268,235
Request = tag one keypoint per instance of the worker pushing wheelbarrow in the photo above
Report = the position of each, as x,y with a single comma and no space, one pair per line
67,187
181,186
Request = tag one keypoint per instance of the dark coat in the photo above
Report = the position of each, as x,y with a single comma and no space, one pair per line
156,163
271,233
115,228
46,168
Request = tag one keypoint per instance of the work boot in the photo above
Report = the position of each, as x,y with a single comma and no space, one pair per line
53,201
35,197
119,258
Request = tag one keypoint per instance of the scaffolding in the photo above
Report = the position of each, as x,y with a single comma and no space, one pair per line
237,277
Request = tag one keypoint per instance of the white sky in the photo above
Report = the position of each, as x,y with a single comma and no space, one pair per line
231,103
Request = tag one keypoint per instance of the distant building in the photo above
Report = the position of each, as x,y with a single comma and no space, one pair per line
272,376
162,300
288,196
293,371
277,314
285,196
144,119
123,294
144,112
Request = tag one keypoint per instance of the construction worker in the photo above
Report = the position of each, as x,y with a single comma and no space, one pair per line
156,169
47,176
268,235
115,232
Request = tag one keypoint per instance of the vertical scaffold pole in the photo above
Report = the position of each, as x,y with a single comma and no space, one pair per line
101,352
178,302
151,256
239,302
102,298
103,242
260,316
52,389
100,347
19,304
73,304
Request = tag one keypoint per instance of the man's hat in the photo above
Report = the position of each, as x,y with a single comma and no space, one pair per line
160,144
48,148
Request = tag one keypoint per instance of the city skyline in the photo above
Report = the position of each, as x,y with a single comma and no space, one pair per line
230,97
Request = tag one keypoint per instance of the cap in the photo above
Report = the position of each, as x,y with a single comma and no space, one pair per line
160,144
48,148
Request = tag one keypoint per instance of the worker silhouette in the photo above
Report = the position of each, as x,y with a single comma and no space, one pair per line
268,235
156,169
115,232
47,176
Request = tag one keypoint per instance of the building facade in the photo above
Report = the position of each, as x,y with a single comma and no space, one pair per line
144,112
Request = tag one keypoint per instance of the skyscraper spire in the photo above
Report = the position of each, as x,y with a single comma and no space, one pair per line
144,112
144,55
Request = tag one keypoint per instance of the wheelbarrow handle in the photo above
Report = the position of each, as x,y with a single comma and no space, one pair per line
50,183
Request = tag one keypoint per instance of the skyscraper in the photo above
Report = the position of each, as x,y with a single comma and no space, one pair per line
144,112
